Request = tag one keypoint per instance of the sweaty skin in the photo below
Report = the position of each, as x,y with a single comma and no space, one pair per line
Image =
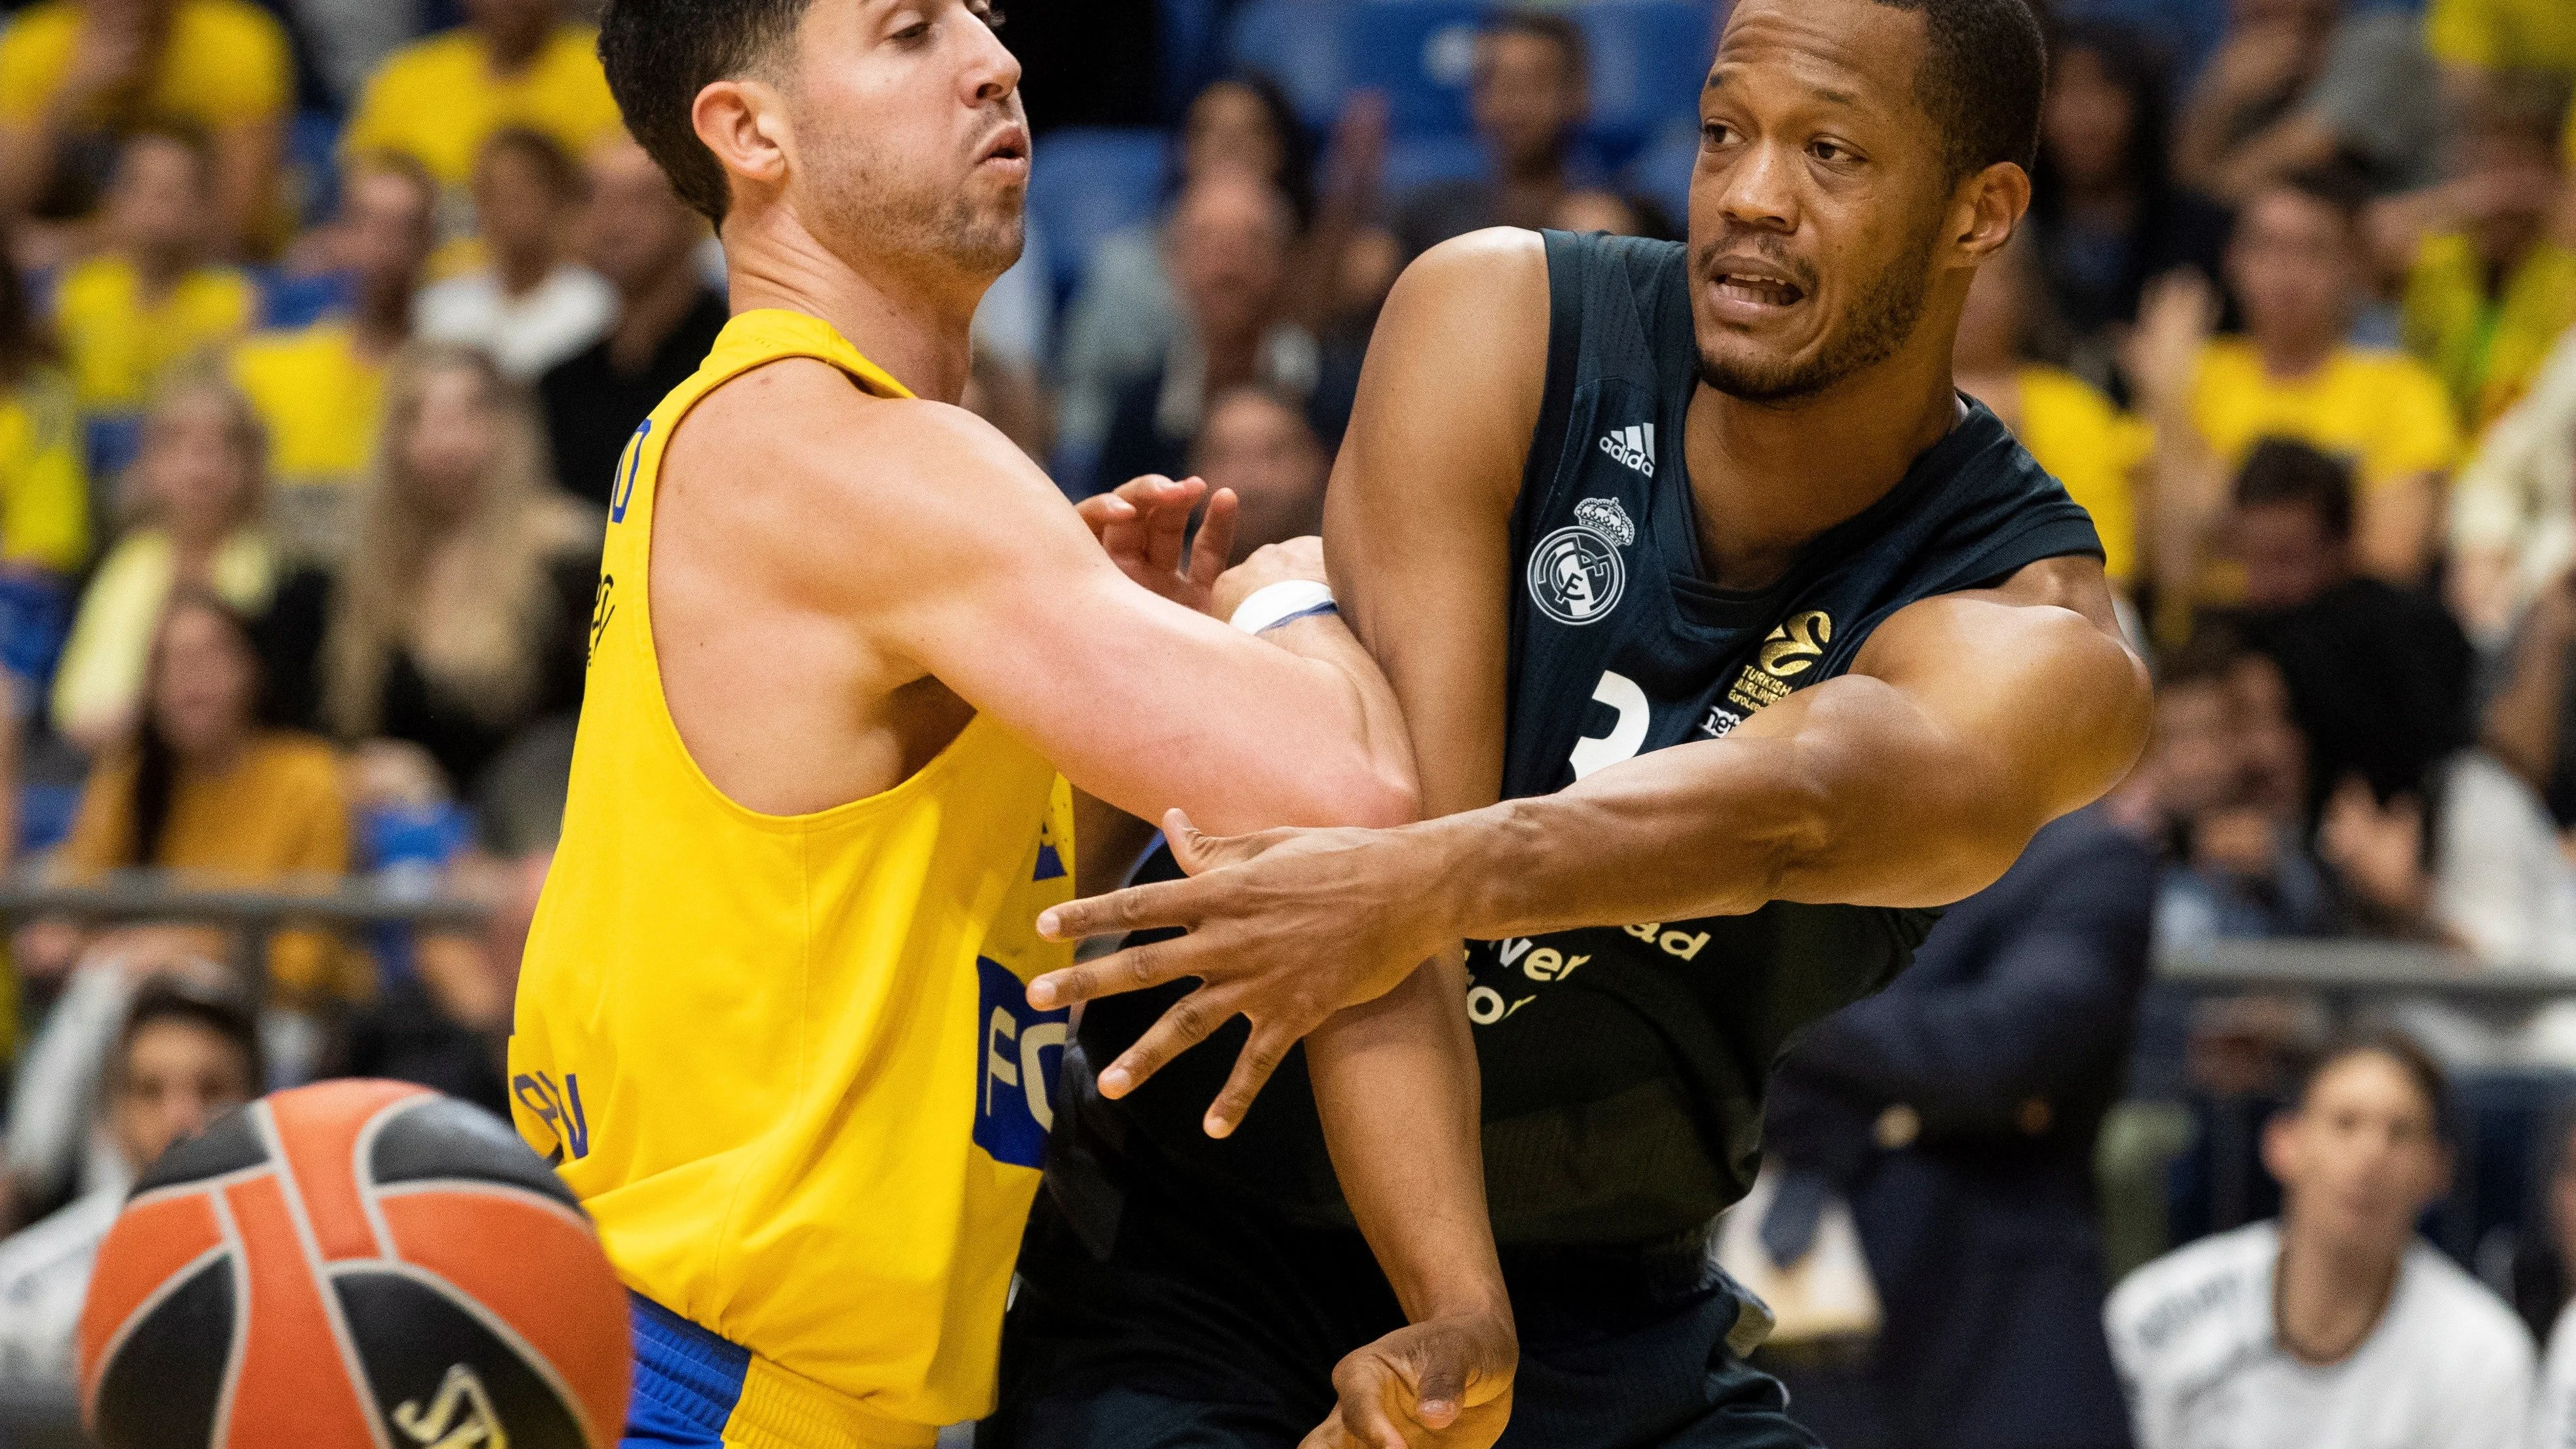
1966,723
836,599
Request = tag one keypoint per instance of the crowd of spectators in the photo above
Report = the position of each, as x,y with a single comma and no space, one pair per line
325,323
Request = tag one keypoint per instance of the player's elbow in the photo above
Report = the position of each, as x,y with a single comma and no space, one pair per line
1368,794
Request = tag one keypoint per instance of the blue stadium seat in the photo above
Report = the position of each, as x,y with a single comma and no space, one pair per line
1421,54
1303,45
1089,182
313,165
1649,60
299,301
1413,161
1192,54
45,815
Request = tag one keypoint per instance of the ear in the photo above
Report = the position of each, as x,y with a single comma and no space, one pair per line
744,123
1986,210
2281,1147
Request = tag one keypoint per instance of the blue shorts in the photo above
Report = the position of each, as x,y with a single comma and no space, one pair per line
687,1382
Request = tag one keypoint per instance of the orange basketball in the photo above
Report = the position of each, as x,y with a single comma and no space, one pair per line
353,1265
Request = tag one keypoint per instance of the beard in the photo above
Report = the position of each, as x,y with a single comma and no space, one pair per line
1880,322
857,194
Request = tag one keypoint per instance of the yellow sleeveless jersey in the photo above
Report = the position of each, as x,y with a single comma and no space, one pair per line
788,1062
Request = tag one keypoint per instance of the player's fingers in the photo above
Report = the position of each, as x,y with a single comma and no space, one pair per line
1133,969
1253,1067
1189,1021
1363,1381
1439,1375
1144,907
1168,531
1214,547
1103,509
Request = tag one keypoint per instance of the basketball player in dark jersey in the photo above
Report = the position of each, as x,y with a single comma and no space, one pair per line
1733,643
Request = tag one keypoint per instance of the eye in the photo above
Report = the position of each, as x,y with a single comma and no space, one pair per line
1829,152
1716,133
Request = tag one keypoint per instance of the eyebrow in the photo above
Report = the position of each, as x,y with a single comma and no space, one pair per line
1849,99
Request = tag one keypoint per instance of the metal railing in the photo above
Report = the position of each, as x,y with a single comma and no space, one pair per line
339,904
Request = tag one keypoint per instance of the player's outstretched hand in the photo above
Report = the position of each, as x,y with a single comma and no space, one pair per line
1285,928
1446,1383
1144,527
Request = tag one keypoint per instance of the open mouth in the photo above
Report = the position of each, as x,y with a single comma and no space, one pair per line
1011,146
1757,291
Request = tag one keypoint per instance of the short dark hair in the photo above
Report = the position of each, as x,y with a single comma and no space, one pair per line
1557,30
2283,472
660,53
2405,1052
1984,79
2338,186
555,168
222,1010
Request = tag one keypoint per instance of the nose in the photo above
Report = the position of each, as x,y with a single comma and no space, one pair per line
1754,189
994,72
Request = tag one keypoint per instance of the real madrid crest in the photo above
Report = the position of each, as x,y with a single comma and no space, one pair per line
1576,574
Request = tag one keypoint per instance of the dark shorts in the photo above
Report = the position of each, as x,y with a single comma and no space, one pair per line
1158,1313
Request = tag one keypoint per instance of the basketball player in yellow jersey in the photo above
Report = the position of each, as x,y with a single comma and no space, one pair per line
773,1024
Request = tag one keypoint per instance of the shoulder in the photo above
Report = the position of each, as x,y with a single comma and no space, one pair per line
264,356
2063,394
291,755
848,452
58,1242
438,60
2190,1286
2387,370
92,283
574,48
1469,296
39,29
231,23
2472,1326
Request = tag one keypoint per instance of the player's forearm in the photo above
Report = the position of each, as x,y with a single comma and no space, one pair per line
1871,809
1396,1084
1377,740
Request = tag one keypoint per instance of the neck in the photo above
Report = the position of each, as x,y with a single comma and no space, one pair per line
384,318
219,758
1771,476
2294,354
1232,360
158,268
523,271
647,316
2328,1297
912,321
511,51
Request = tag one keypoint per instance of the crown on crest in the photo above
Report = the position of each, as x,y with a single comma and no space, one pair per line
1605,517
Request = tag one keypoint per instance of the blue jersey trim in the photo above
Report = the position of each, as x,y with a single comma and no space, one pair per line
687,1382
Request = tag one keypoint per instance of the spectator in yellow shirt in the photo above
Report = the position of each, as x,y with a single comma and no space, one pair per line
207,791
2081,437
77,74
2488,295
44,491
513,63
318,388
150,300
2478,40
2298,268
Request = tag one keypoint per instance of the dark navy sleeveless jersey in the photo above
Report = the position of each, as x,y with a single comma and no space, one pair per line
1624,1066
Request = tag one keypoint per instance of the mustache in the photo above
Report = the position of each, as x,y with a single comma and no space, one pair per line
1737,242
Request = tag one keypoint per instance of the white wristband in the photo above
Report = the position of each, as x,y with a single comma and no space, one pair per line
1277,604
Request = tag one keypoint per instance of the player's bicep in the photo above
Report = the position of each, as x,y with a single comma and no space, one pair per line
1418,521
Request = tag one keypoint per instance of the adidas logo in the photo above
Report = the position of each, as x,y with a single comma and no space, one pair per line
1633,446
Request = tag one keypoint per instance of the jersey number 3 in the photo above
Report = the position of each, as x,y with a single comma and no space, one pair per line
1625,738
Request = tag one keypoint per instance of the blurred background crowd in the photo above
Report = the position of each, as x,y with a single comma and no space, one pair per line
326,323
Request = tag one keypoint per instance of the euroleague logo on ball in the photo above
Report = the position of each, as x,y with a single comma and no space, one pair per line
1575,574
